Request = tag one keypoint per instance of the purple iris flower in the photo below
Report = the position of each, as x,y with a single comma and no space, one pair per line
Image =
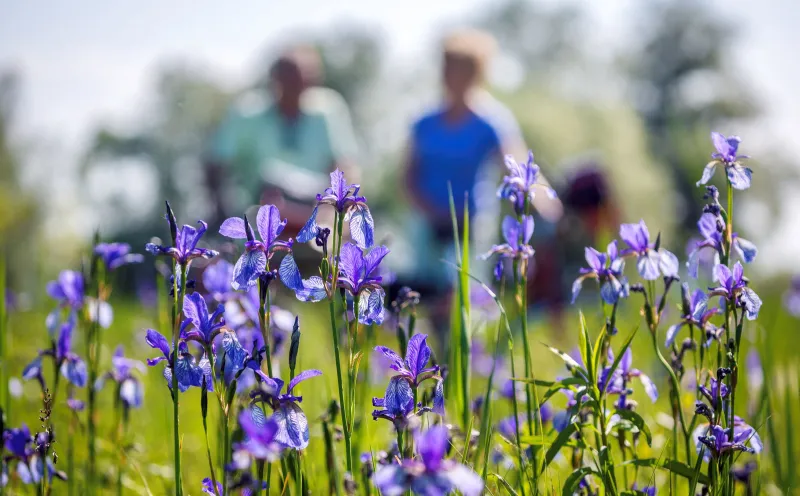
398,402
716,392
190,372
131,390
727,154
651,261
607,268
623,375
719,440
217,279
115,255
260,435
346,200
21,447
522,182
647,490
185,241
359,275
69,290
791,297
208,487
292,423
517,235
198,325
696,313
709,226
253,261
733,287
73,368
430,474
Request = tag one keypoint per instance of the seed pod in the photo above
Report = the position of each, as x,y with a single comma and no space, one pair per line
294,348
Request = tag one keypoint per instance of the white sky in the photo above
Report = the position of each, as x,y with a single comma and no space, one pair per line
83,62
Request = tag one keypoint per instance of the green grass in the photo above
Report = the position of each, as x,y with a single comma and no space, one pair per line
150,427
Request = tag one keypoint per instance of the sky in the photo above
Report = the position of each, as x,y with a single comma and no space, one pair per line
92,61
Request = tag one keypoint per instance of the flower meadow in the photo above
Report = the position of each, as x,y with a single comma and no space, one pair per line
230,392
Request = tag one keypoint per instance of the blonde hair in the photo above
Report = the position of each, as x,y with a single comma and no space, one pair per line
473,45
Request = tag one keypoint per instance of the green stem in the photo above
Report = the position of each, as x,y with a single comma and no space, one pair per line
208,451
515,406
177,310
339,220
93,345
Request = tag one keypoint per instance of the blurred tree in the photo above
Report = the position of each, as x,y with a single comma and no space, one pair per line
683,86
539,38
167,145
18,210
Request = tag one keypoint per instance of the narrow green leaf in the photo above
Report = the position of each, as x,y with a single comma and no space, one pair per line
790,460
571,363
502,483
570,485
698,467
586,347
618,357
638,421
560,441
674,466
597,357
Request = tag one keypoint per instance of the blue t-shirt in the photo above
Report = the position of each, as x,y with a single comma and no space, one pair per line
451,152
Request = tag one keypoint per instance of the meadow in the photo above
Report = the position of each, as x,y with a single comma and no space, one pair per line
371,400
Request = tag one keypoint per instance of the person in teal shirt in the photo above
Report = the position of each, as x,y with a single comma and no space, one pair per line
281,152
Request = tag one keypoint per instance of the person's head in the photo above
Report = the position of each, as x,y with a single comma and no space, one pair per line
466,54
294,71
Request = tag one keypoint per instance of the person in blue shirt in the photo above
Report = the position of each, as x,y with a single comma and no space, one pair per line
457,144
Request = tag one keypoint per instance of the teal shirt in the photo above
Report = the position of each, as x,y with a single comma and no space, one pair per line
262,147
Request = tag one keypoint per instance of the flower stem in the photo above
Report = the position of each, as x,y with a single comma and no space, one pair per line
177,310
93,353
520,454
337,236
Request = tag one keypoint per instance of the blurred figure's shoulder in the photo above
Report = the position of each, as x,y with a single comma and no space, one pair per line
430,117
249,104
323,100
494,113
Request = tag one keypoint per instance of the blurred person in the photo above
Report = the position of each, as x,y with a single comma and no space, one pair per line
281,152
453,145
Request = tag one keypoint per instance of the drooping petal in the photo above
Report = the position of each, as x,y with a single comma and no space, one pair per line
290,273
233,227
739,176
302,376
75,371
649,387
313,290
576,288
746,249
465,480
610,291
432,446
399,398
370,307
752,303
292,426
671,333
131,392
417,353
391,480
309,230
668,263
156,340
247,269
708,173
648,265
362,227
438,398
